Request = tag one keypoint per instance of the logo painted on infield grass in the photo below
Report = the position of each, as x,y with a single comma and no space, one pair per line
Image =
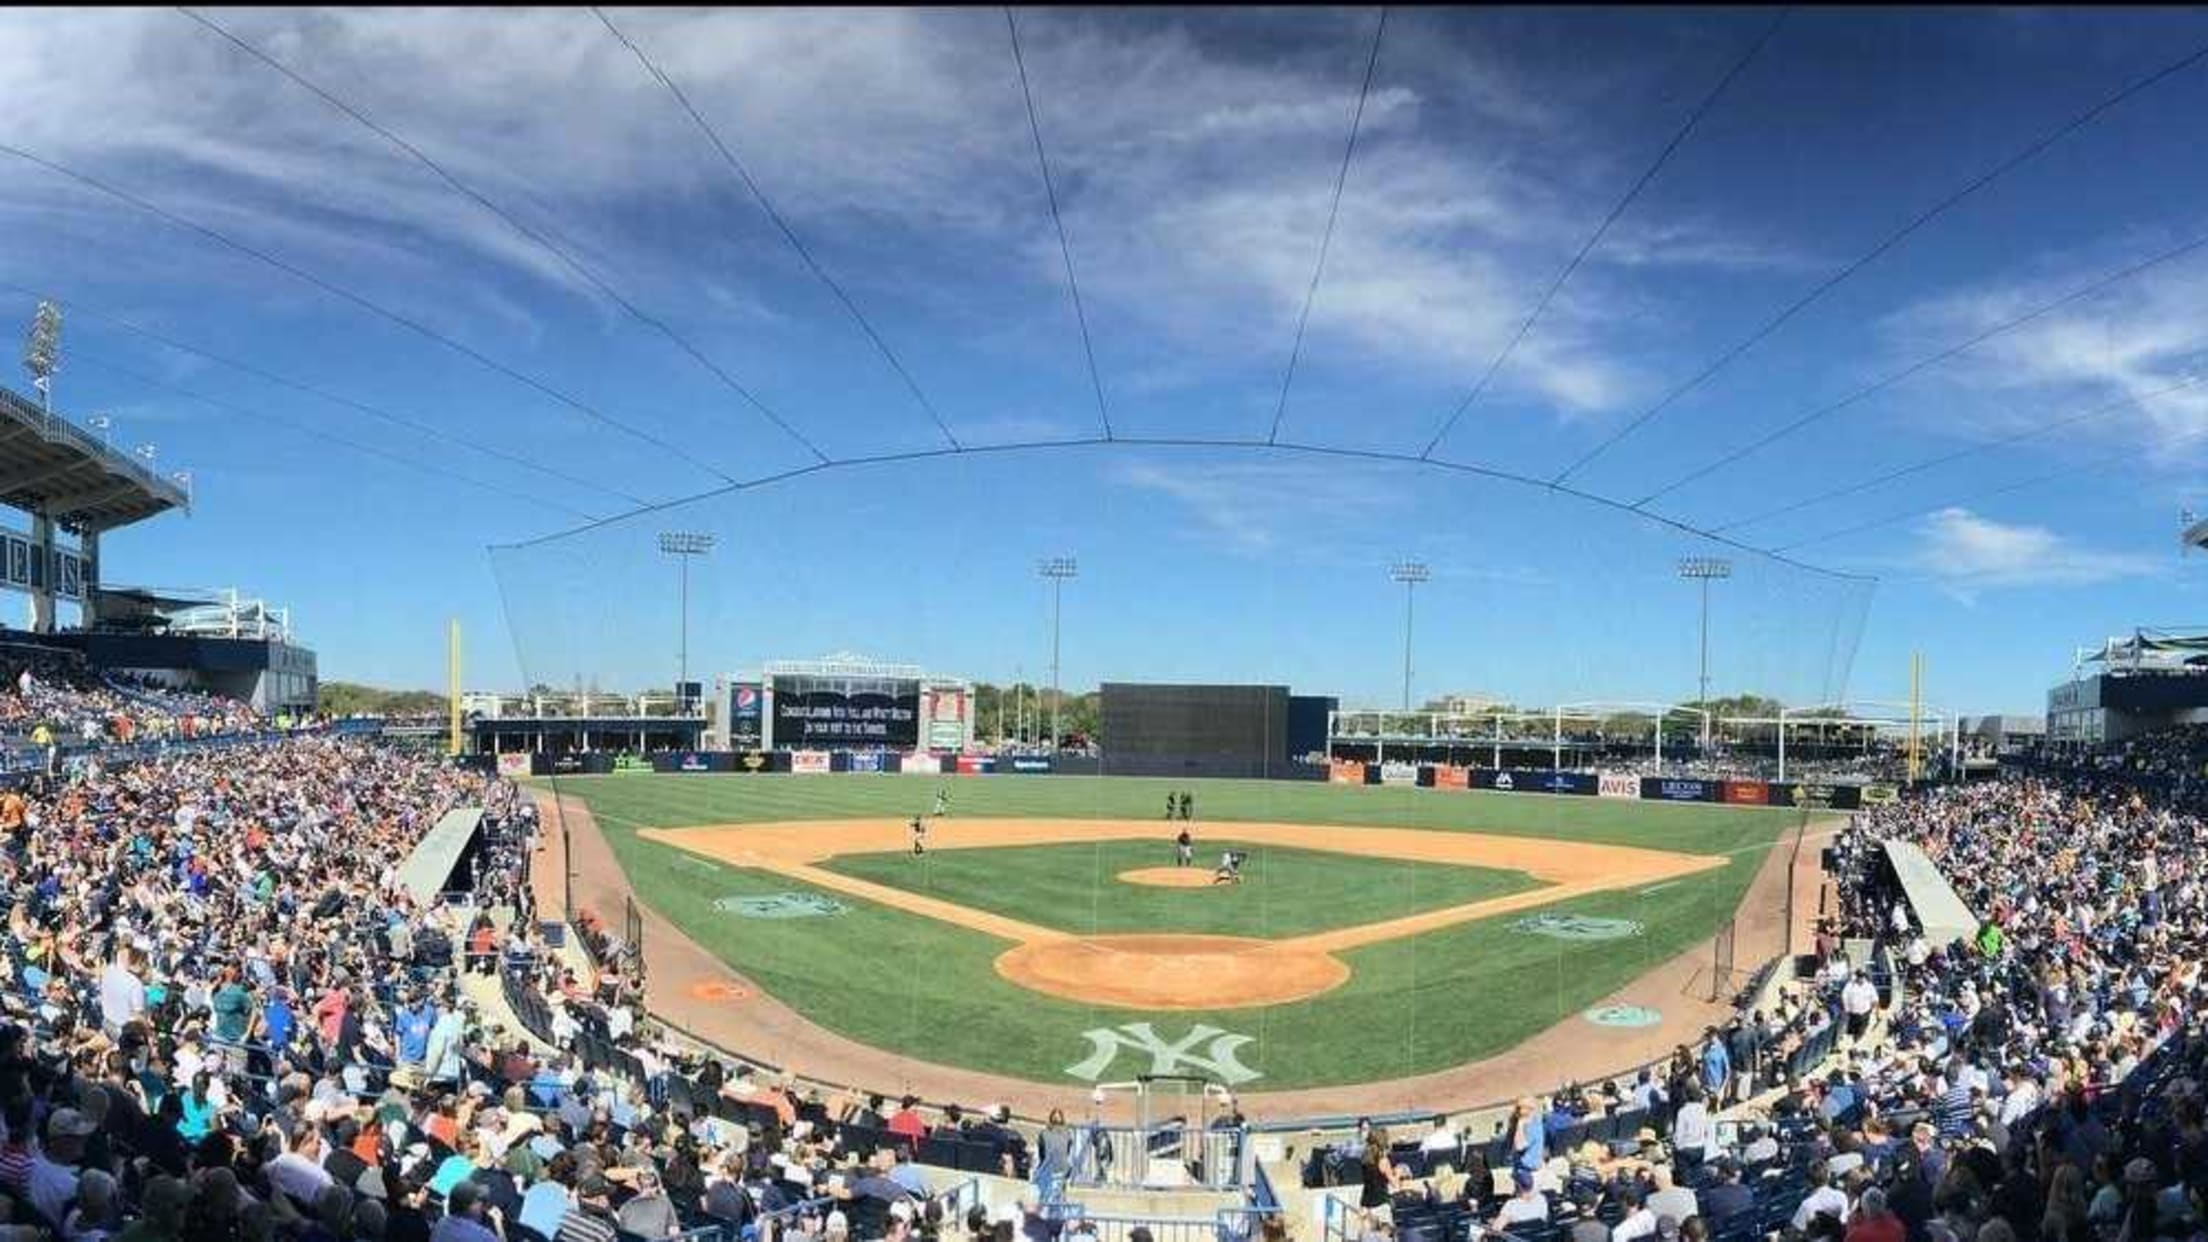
1626,1016
1166,1057
780,906
1577,927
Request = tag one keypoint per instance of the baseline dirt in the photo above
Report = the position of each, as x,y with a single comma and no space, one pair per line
763,1029
1169,877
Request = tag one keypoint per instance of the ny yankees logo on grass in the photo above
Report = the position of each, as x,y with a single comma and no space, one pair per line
1222,1062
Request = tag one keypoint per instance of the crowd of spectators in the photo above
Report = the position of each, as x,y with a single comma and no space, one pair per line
2039,1080
230,1021
51,700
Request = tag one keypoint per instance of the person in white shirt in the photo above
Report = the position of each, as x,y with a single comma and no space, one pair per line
122,994
299,1172
1823,1199
1692,1131
1443,1138
1858,999
1528,1206
1638,1222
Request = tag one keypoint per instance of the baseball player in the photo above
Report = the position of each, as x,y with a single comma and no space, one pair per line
919,837
1184,849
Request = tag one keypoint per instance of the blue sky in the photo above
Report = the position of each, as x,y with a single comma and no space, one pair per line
2034,341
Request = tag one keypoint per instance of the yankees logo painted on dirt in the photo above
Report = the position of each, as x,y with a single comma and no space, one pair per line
1623,1016
1205,1049
1576,927
780,906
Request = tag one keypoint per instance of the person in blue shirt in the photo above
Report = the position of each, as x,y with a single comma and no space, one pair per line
1717,1064
412,1025
278,1021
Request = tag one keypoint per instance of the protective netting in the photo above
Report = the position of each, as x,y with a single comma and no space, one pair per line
1376,933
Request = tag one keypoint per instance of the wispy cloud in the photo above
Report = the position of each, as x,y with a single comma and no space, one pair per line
1968,553
1250,507
1194,171
2142,341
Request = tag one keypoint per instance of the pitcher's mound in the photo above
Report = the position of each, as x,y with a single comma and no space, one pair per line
1172,972
1169,877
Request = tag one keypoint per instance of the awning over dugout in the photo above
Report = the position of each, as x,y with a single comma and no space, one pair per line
427,871
1939,911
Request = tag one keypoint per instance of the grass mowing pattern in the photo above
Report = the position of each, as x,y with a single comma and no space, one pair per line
913,986
1285,892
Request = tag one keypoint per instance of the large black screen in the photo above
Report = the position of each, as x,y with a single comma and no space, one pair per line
840,712
1215,730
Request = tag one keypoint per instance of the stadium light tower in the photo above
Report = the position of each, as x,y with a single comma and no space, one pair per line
1057,569
1705,570
42,352
1410,573
683,545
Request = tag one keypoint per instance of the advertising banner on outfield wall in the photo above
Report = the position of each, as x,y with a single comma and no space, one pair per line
751,761
1875,794
1025,765
694,761
810,761
1817,795
1449,776
863,761
1748,793
1581,784
919,761
976,765
515,763
628,765
1345,772
1671,789
746,716
1618,785
1392,773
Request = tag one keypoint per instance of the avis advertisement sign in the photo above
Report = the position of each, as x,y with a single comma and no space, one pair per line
1618,785
1679,789
810,761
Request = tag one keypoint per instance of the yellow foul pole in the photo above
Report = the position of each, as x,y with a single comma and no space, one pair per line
452,686
1916,709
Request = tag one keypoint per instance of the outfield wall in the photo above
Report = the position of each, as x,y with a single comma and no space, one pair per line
1815,795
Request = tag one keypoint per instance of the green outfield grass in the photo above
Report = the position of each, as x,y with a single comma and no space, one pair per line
915,986
1284,892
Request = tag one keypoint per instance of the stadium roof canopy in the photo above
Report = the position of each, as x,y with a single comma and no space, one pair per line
49,465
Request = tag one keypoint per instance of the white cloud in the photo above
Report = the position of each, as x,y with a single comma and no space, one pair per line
1967,553
2143,341
1250,506
1194,163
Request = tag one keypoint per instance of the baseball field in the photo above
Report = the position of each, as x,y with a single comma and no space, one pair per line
1047,932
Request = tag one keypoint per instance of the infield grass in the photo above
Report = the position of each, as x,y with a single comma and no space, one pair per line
1284,892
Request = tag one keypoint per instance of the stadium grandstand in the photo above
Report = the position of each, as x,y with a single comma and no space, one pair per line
805,320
